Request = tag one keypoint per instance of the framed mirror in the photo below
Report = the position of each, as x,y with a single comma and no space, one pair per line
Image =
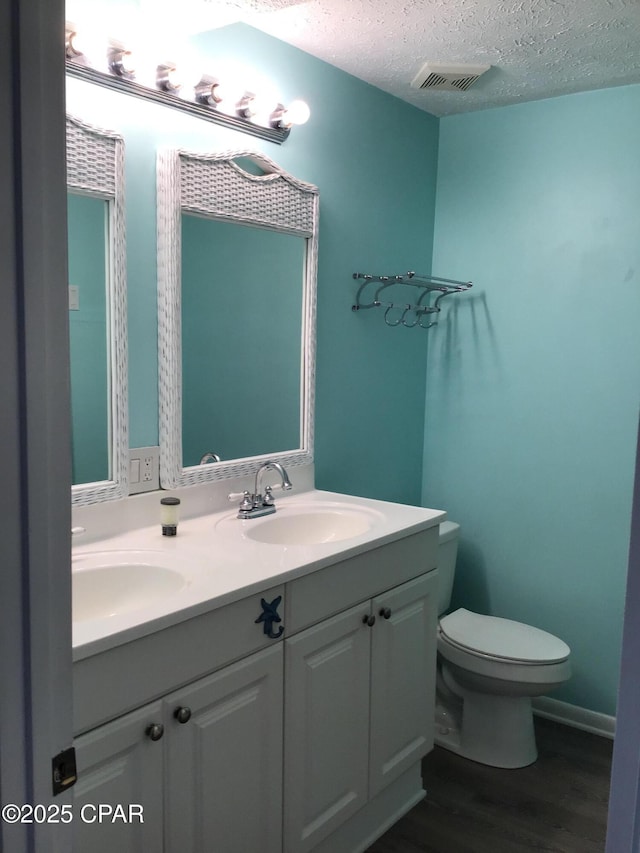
237,258
97,312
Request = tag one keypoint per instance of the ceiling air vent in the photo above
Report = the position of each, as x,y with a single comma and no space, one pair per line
445,76
256,5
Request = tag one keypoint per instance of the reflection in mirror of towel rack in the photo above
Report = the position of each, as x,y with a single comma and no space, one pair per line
397,313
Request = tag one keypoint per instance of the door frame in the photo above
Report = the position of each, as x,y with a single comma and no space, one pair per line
35,457
623,827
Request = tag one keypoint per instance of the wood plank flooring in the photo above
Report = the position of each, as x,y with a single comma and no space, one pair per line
557,805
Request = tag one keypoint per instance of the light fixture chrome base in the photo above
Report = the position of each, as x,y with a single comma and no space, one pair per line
130,87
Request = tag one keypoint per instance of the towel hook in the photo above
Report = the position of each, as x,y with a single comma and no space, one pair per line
428,325
404,313
386,317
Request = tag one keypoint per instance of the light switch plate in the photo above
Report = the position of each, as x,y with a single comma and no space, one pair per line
74,297
144,469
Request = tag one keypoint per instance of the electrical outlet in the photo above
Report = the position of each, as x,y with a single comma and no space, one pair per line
144,469
147,469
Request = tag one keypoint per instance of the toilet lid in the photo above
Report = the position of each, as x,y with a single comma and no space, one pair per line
502,638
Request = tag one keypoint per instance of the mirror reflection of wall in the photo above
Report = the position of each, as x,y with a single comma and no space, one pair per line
242,302
87,219
97,312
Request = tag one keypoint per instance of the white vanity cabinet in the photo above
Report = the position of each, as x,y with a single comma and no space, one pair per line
119,764
327,727
307,740
204,760
358,708
218,748
403,672
224,763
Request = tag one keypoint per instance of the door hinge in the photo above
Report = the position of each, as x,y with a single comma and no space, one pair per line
63,770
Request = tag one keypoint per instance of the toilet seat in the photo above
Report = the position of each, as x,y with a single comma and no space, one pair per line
502,639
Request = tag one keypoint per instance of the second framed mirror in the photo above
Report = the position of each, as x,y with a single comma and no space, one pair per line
237,256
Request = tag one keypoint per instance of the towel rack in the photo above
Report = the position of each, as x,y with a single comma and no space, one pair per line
397,313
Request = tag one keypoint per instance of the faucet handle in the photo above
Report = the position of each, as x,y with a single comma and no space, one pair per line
246,499
281,487
267,498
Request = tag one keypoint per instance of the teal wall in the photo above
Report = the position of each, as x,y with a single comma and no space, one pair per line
87,219
374,159
241,316
534,376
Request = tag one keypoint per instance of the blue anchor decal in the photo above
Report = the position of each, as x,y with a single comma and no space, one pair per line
269,615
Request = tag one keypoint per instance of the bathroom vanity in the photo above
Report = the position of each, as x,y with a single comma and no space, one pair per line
239,732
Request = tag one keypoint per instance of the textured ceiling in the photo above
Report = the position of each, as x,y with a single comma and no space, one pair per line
537,48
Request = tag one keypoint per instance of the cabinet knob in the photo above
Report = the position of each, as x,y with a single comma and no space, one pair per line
385,612
182,715
155,731
369,619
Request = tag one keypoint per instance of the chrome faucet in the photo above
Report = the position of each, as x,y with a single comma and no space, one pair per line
209,457
257,504
271,466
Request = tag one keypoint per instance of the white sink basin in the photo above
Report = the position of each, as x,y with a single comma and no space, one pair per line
306,524
110,583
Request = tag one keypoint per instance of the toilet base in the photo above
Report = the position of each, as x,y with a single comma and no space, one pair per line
493,730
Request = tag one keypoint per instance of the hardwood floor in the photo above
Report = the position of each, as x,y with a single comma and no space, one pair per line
557,805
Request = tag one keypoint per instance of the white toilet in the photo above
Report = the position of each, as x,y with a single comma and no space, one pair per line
488,670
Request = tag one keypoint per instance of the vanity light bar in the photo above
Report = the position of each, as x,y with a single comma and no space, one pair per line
206,100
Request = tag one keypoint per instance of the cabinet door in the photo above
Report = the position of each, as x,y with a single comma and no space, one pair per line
403,668
118,764
224,764
327,727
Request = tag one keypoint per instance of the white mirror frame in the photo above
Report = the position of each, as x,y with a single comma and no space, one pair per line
216,187
95,167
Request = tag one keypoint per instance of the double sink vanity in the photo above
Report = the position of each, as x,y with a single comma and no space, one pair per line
256,685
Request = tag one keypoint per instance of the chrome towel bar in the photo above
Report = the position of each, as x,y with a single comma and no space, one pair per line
420,309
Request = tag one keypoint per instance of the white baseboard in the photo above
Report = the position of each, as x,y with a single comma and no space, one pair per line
573,715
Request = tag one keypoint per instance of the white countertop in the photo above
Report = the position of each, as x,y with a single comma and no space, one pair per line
224,564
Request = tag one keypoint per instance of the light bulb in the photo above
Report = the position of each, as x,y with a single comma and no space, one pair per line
284,117
168,78
184,73
208,91
245,107
121,62
223,93
70,49
87,43
298,112
260,105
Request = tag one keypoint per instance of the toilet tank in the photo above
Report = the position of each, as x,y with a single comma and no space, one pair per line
447,553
